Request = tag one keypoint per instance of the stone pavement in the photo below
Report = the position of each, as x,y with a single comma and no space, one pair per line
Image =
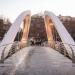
38,60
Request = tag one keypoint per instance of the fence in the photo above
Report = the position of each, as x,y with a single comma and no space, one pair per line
16,46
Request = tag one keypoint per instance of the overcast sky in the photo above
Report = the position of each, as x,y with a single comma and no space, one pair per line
12,8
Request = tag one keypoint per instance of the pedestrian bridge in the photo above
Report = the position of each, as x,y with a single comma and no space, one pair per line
51,57
37,60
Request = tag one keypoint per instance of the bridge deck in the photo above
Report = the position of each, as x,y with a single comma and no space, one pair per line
40,61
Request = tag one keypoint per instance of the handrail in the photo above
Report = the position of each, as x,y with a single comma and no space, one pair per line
61,44
5,46
45,44
73,54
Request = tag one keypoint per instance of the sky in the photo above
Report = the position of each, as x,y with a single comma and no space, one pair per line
12,8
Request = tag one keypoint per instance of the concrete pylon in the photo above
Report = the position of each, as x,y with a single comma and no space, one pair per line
26,28
48,26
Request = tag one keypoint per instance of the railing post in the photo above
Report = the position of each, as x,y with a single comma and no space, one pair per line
73,56
2,56
64,52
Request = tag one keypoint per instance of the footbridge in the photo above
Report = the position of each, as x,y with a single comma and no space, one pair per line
37,53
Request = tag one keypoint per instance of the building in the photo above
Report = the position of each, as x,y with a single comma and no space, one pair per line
69,23
37,27
4,27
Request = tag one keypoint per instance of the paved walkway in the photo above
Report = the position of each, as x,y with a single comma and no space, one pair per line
43,61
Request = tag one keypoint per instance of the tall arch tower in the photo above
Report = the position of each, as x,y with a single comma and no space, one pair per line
49,20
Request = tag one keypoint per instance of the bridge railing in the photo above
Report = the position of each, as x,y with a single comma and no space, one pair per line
8,50
16,46
11,48
59,46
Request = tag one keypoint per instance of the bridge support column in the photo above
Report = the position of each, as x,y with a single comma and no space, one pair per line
48,25
25,31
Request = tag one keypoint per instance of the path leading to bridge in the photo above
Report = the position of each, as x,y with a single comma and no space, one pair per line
42,61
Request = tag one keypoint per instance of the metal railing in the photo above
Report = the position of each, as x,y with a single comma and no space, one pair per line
16,46
59,46
13,47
